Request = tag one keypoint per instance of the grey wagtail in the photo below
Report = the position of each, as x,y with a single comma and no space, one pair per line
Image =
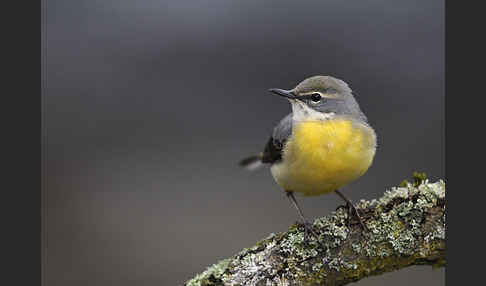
323,145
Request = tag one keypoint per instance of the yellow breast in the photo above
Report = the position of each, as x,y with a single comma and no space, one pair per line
322,156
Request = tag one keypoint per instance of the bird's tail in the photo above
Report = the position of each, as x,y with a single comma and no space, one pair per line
253,162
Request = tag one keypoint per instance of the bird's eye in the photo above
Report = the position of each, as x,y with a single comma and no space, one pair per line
316,97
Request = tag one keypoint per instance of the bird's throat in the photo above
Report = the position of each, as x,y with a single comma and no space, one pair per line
302,112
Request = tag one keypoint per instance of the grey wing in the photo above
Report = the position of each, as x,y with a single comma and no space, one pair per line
274,147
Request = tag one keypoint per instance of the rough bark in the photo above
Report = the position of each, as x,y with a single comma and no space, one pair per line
406,227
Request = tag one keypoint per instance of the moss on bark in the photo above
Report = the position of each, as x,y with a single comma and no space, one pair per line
406,227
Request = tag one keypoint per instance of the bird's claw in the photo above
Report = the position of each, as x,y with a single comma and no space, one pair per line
309,230
353,211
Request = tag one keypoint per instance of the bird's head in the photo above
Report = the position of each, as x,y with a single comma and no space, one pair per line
320,98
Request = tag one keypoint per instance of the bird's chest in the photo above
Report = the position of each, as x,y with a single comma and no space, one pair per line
323,155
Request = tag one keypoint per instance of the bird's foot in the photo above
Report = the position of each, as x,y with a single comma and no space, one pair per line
309,230
353,212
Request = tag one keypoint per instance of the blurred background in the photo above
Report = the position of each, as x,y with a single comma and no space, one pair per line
149,105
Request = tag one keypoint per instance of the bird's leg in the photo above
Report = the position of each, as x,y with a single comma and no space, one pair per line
351,210
307,225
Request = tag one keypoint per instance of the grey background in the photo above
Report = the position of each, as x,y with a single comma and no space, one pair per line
149,105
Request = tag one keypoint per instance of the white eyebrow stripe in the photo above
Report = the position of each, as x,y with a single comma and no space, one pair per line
325,95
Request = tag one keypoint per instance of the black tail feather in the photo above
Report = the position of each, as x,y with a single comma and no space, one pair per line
251,162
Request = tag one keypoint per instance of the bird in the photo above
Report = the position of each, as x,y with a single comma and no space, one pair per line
324,144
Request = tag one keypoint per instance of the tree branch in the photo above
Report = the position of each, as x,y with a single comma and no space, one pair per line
406,227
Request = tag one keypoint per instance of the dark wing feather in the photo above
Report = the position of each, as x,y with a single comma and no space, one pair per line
274,148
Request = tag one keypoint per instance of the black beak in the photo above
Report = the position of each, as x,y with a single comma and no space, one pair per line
284,93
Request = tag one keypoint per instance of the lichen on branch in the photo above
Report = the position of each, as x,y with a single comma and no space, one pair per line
406,227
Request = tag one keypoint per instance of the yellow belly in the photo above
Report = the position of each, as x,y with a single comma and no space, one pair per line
322,156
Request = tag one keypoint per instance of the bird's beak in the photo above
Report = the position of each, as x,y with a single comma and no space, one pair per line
284,93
